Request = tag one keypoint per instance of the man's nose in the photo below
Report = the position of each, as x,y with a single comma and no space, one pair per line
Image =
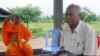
68,17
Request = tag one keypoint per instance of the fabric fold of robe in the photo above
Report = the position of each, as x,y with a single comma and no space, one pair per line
12,34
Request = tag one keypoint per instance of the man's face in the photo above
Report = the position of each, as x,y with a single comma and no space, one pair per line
16,19
72,16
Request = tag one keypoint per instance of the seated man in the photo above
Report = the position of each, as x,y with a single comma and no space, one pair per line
78,37
15,37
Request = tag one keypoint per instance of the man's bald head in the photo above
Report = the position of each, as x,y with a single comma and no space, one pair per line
73,14
76,7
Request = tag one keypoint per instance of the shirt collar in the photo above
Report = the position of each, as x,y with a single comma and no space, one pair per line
77,29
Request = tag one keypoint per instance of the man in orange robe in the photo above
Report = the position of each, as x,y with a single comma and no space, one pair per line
15,37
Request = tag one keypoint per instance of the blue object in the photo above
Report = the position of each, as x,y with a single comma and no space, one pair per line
53,48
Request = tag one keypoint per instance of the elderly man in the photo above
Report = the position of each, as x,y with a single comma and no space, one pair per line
16,36
78,37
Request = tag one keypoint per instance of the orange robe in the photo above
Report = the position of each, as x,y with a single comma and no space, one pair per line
12,35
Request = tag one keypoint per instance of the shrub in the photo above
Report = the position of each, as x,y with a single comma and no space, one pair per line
36,30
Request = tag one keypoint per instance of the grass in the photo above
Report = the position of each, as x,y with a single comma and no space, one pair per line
0,30
45,26
40,27
96,26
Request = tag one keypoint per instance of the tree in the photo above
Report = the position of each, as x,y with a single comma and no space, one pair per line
98,19
27,13
47,19
88,16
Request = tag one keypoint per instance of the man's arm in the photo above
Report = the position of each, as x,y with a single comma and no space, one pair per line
89,55
90,44
27,34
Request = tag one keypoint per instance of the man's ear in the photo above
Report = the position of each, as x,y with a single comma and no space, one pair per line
80,15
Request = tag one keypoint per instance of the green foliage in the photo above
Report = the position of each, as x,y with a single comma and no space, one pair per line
45,26
0,30
98,19
27,13
36,30
96,26
88,16
46,19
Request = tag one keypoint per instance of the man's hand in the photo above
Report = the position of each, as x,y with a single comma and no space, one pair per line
23,41
62,49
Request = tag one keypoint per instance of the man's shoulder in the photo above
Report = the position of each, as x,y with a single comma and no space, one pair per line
23,26
87,27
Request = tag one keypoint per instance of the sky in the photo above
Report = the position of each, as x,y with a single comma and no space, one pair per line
47,5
